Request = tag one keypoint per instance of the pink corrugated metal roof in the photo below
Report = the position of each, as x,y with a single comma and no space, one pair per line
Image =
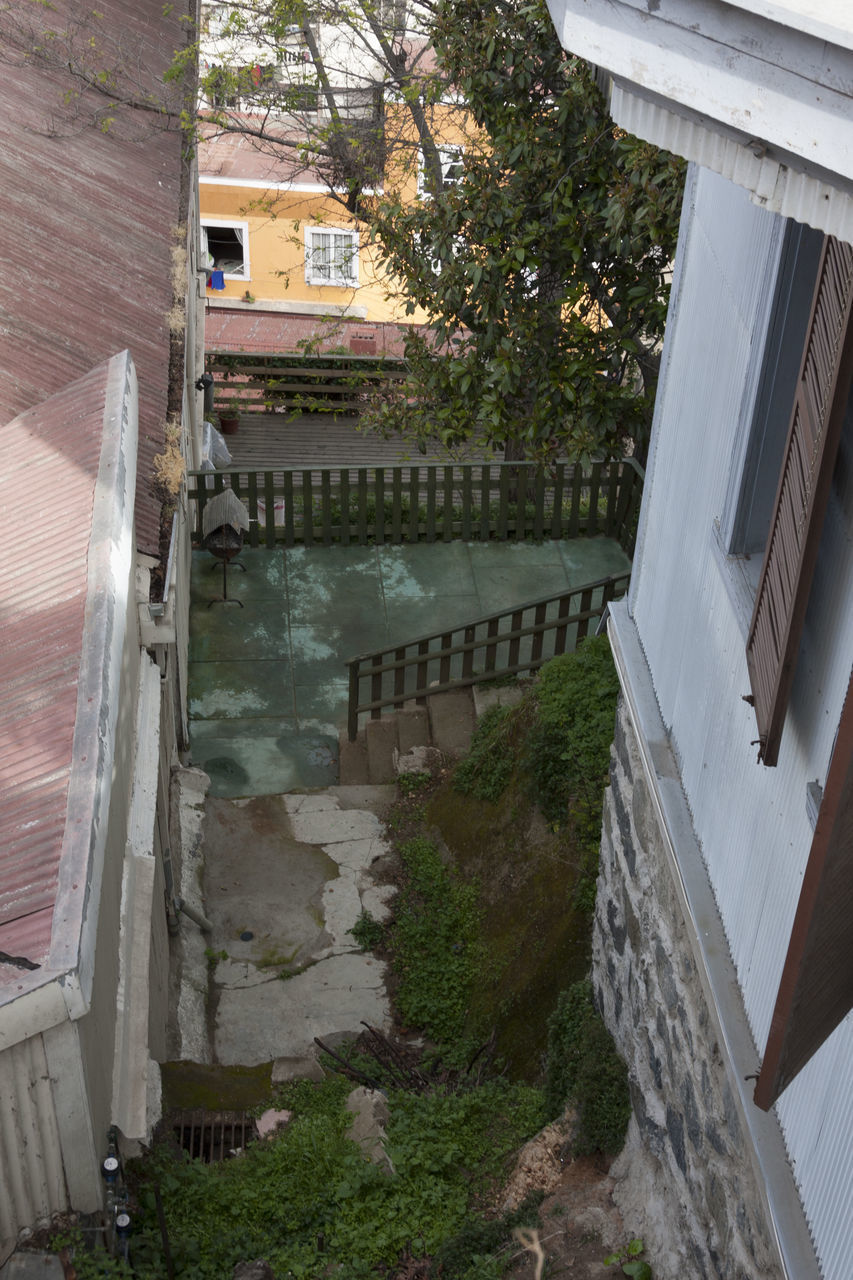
238,156
43,582
87,218
253,329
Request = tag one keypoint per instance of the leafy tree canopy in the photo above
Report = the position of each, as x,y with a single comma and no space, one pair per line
544,269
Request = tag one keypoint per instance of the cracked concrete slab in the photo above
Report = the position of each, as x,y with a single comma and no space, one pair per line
277,1019
285,880
332,825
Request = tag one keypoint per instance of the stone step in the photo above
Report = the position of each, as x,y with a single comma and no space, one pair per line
381,738
445,723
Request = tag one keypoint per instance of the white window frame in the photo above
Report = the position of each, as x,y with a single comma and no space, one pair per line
334,279
449,154
233,224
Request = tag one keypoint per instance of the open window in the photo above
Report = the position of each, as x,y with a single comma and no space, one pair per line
331,257
225,248
451,159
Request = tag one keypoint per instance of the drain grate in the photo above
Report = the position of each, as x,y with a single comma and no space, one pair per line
213,1136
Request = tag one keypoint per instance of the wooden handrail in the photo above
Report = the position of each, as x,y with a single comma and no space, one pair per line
411,671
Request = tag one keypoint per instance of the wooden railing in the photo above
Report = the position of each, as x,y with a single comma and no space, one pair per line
256,382
429,503
514,642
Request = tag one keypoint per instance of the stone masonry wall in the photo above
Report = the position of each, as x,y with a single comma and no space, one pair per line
687,1184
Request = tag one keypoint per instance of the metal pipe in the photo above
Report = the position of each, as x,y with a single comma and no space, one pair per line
196,916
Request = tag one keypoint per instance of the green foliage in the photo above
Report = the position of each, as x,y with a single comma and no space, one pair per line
488,767
584,1069
477,1252
544,268
309,1202
90,1261
568,747
435,946
409,784
368,932
631,1261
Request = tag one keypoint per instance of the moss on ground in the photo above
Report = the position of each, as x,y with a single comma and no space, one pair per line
188,1086
535,941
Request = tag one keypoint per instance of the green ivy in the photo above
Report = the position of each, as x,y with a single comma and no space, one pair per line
309,1202
584,1069
435,946
568,746
486,770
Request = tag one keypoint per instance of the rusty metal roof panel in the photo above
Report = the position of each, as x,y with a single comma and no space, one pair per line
57,446
92,214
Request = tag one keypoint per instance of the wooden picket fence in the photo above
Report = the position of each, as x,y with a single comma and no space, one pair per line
428,503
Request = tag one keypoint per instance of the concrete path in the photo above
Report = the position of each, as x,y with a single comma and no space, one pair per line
285,879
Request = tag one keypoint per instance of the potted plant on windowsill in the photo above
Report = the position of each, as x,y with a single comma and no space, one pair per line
229,417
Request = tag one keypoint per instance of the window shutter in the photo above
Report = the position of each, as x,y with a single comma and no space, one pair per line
801,499
816,989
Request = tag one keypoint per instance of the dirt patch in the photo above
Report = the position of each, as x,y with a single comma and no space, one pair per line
579,1225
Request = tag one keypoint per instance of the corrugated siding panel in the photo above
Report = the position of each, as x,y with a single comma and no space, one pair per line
751,822
775,187
31,1177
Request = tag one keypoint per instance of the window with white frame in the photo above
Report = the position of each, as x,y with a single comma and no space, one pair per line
331,256
451,161
225,247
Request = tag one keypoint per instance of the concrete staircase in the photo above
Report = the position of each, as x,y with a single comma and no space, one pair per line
445,724
382,749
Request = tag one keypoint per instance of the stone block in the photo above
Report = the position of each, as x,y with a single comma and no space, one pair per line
412,729
381,738
353,764
451,717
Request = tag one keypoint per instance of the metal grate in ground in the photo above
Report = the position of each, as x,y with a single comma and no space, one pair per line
214,1136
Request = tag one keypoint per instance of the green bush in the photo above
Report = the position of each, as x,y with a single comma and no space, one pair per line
486,770
368,932
584,1069
568,747
309,1202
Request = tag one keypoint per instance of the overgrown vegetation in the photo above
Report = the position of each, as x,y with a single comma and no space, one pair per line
309,1202
559,745
436,948
584,1070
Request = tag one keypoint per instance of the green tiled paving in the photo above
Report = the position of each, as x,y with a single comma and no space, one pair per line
268,682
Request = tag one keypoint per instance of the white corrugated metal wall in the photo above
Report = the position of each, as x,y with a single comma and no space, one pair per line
32,1183
751,821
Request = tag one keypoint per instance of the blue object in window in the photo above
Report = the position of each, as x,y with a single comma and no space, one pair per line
216,280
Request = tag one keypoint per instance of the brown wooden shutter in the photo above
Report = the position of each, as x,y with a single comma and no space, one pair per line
801,499
816,990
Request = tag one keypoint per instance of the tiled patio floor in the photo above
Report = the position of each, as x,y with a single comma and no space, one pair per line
267,682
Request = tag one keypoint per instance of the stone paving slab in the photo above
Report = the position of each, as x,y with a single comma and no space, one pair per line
286,878
330,999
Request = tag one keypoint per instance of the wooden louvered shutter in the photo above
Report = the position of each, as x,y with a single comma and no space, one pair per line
816,990
795,528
